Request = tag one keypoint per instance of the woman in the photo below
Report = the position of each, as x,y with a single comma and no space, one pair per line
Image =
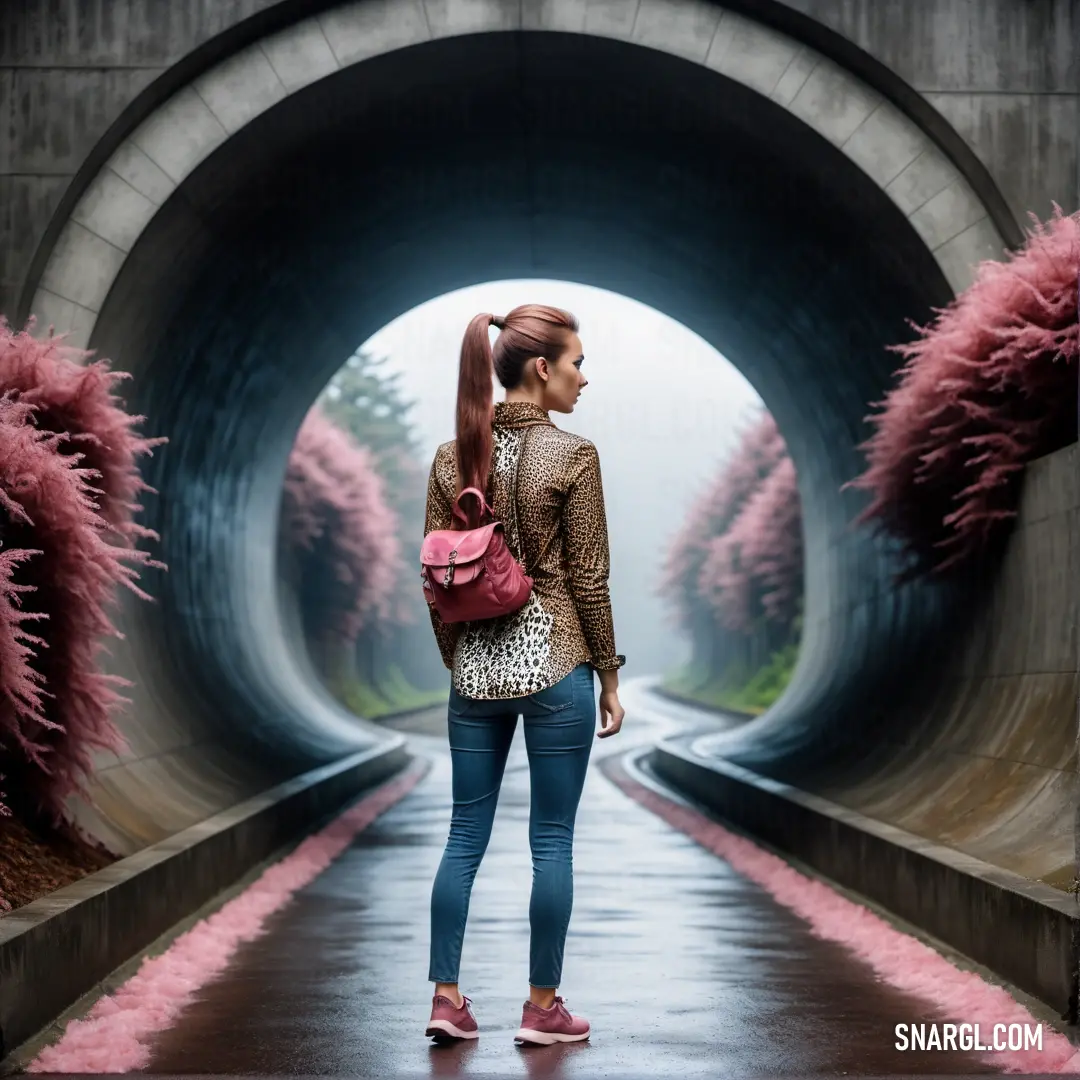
538,662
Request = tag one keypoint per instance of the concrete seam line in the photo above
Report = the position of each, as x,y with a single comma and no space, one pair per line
898,959
116,1035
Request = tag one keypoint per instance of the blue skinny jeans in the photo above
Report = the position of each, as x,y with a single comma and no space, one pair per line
559,730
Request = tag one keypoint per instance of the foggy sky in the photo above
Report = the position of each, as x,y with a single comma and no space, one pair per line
662,407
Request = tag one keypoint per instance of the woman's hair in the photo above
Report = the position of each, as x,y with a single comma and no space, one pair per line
526,332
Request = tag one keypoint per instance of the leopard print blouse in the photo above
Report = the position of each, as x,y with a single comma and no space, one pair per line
563,546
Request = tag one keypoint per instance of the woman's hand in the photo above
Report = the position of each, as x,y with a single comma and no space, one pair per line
611,714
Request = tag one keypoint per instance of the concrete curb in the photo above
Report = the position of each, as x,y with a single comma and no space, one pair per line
405,714
680,699
58,948
1025,932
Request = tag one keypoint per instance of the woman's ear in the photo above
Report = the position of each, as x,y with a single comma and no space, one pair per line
542,368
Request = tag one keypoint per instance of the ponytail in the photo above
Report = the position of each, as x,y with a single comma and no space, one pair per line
475,402
527,331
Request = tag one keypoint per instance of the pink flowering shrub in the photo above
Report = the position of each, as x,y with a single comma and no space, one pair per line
76,395
725,586
989,386
336,522
774,547
20,684
754,571
735,572
69,488
56,706
756,455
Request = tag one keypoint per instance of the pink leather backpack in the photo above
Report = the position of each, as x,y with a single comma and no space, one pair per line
471,574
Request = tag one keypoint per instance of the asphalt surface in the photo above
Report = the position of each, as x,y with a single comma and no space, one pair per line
684,968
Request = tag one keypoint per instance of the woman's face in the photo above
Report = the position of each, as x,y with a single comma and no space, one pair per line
564,378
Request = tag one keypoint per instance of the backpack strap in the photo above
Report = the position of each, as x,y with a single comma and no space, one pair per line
514,498
485,508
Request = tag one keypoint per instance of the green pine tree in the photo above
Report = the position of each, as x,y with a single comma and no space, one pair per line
368,402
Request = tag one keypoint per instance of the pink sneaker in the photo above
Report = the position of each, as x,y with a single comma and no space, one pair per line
448,1021
555,1025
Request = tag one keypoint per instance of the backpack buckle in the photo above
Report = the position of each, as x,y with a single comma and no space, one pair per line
448,577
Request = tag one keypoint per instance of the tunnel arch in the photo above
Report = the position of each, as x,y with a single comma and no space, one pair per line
236,272
152,162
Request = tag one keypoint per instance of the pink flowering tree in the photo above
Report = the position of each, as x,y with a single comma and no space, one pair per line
734,574
754,573
339,532
756,455
76,395
69,490
22,707
990,385
61,570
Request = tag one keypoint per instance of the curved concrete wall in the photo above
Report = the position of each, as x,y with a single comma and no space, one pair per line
286,247
162,152
233,251
1003,76
982,755
1000,74
991,767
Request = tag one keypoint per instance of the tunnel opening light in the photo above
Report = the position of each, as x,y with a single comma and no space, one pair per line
703,509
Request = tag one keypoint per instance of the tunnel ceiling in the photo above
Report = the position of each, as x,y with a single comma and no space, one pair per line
472,159
561,156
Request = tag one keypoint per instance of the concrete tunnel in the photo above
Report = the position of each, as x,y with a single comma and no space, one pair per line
462,160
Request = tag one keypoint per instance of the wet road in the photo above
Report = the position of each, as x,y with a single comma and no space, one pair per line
683,967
